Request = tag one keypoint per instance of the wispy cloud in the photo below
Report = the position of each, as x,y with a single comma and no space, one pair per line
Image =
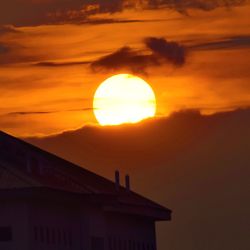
24,113
7,29
60,64
224,43
99,21
158,51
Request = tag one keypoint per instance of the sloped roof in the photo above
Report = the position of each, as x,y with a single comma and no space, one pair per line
25,166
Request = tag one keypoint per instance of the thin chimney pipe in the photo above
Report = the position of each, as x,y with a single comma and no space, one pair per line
117,180
127,182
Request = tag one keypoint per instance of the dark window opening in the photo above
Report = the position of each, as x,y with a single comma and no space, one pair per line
143,246
35,234
110,243
41,234
53,236
64,238
59,236
47,235
70,240
130,245
115,244
125,245
119,244
5,234
134,245
138,246
97,243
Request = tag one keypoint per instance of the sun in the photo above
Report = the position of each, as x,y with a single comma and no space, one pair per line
123,98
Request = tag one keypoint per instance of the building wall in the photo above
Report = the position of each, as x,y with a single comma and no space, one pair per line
130,233
65,226
114,231
94,228
13,226
54,227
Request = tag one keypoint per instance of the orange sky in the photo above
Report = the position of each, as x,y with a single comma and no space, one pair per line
47,84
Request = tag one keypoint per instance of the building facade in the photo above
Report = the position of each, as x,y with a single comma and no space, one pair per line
47,203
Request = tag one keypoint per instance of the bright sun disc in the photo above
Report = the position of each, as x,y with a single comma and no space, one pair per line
123,98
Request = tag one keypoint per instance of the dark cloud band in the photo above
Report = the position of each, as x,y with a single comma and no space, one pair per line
158,52
224,43
30,12
24,113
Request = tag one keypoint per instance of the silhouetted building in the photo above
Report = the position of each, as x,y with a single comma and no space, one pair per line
47,203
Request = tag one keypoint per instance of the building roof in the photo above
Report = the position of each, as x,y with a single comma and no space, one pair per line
26,167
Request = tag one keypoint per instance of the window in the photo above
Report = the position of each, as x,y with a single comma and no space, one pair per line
35,234
5,234
41,234
114,243
130,245
119,244
53,236
97,243
64,238
70,238
134,245
47,236
138,246
125,245
110,245
59,236
143,246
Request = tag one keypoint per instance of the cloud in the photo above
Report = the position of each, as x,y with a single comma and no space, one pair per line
125,58
4,49
196,165
31,113
172,52
7,29
224,43
60,64
21,113
158,52
12,53
99,21
184,5
36,12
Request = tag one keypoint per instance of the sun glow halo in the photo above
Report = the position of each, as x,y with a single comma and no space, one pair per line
123,98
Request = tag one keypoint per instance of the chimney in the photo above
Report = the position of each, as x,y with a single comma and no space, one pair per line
117,180
127,182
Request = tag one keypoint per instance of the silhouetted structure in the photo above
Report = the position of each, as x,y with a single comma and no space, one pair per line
51,204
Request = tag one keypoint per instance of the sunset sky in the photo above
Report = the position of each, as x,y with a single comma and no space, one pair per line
54,54
193,156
